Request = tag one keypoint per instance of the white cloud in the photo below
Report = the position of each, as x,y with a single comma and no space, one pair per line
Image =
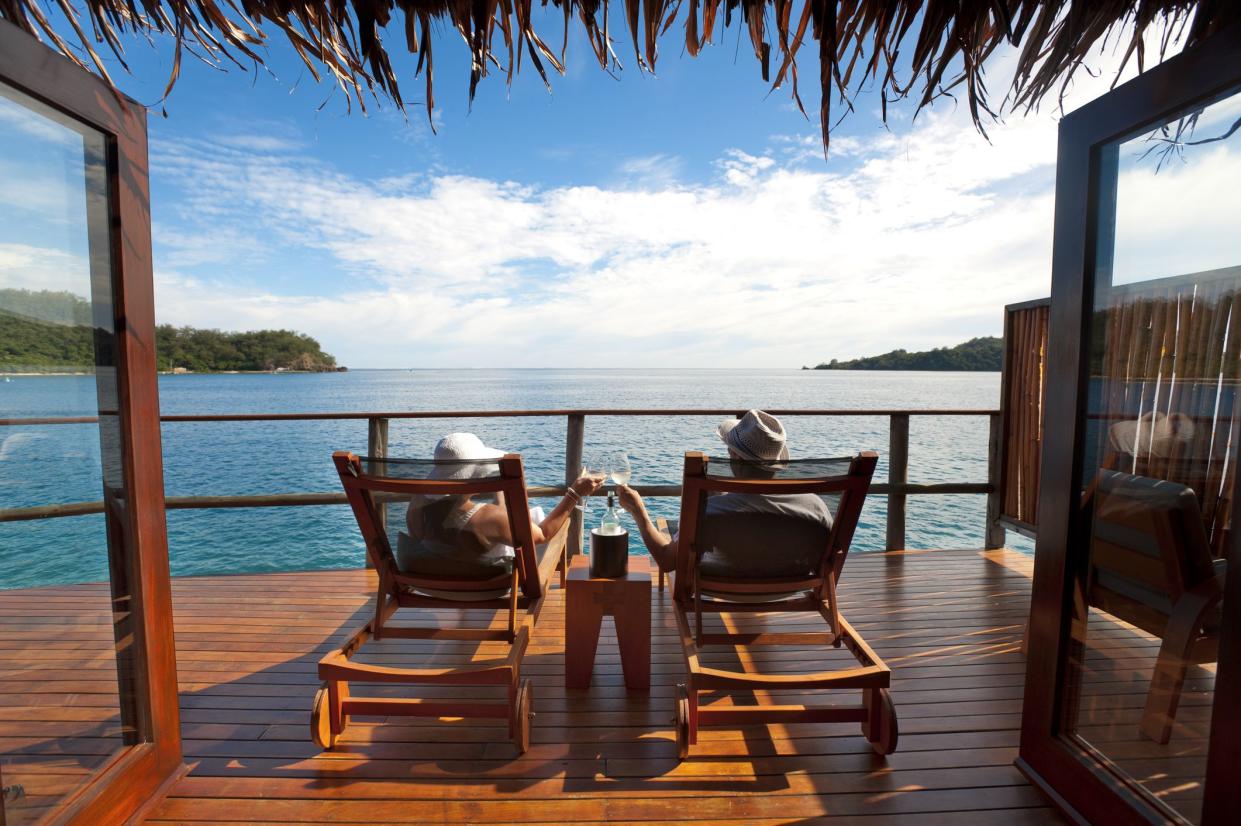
1177,213
769,263
28,267
652,171
35,120
909,239
260,143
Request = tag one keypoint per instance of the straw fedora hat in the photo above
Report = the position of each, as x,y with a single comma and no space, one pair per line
756,437
1154,434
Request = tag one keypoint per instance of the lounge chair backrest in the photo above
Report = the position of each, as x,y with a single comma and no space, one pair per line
1148,546
363,478
1199,467
847,478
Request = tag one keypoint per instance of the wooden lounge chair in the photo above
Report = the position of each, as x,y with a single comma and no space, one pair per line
774,583
1151,566
518,587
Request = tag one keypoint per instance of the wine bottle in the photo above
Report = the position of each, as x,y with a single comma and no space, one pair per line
611,519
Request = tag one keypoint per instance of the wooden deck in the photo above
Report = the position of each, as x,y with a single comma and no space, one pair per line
947,622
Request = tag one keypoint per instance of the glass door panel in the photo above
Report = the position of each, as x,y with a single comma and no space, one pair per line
68,702
1161,433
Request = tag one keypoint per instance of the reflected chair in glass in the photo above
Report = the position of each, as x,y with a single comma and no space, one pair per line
757,574
1151,566
517,586
1201,464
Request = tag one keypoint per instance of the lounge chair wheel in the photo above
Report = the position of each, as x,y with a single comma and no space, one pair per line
524,710
882,734
320,720
682,722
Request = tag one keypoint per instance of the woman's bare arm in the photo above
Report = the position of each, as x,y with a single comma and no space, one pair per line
492,526
663,547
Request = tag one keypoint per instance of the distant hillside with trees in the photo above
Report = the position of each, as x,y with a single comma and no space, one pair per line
45,331
981,354
36,345
213,350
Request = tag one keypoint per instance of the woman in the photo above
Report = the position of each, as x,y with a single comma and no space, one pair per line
460,536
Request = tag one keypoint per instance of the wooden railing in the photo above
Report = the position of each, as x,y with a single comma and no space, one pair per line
897,488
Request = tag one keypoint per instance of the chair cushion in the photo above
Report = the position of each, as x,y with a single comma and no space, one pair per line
441,560
744,536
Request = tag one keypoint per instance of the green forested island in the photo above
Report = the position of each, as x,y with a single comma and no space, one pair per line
200,351
983,354
45,331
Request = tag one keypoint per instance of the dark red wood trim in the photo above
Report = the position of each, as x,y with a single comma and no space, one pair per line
117,792
1078,777
1223,802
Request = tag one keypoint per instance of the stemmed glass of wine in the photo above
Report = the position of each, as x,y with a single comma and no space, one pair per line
619,469
595,465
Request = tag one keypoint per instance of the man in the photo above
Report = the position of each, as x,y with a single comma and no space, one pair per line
747,535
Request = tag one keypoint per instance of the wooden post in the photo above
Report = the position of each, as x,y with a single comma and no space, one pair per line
898,476
995,530
575,443
377,448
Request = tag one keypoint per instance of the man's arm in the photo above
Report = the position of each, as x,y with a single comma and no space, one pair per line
663,547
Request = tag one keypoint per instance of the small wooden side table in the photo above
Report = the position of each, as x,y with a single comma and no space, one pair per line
628,601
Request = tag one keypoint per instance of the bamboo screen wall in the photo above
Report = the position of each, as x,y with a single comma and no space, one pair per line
1163,388
1025,348
1163,400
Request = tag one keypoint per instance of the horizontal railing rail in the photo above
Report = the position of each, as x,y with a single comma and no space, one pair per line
897,487
504,414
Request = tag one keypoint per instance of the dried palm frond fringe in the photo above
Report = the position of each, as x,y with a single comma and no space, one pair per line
920,48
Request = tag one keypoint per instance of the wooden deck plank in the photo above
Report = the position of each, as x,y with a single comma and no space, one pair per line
604,754
948,622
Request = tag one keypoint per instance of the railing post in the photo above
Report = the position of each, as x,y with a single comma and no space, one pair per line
898,477
995,537
575,443
377,448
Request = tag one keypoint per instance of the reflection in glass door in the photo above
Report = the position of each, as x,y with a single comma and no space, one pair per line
1161,432
67,679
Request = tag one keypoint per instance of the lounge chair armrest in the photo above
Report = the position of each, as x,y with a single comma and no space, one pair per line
1193,608
556,543
554,550
1211,589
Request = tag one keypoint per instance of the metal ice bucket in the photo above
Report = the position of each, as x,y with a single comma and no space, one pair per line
609,554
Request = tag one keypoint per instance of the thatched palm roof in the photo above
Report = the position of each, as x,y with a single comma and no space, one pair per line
904,48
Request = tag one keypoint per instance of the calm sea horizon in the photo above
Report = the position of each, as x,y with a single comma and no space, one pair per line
42,465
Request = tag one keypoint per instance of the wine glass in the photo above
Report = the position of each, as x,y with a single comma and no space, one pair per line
594,466
619,468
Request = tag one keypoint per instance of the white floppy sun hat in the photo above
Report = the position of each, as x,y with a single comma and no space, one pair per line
463,448
756,437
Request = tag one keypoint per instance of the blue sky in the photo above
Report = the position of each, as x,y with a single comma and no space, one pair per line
579,133
681,219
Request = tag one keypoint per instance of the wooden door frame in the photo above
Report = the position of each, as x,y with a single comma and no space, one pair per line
1077,777
137,772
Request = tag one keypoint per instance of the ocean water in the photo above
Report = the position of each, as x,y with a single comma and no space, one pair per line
53,464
